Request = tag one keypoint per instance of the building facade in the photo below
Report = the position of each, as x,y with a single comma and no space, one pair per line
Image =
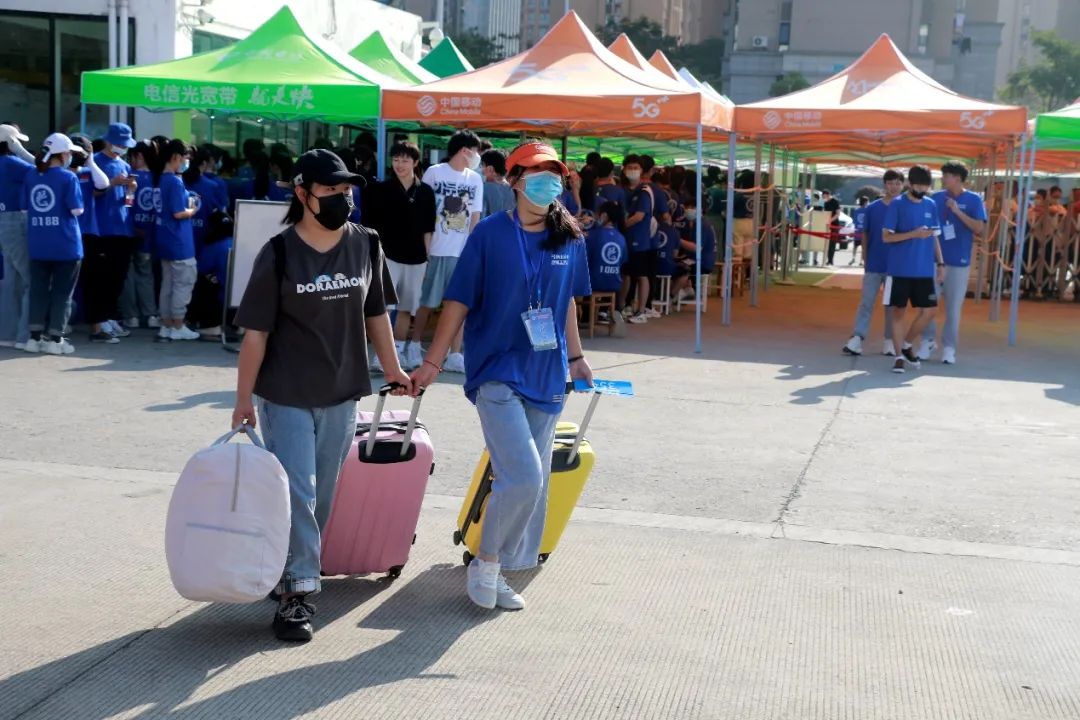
499,20
690,21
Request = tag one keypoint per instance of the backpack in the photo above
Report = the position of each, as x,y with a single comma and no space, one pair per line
654,225
227,530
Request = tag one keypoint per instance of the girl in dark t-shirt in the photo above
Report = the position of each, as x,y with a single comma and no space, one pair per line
308,316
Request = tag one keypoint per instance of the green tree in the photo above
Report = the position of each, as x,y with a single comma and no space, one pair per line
702,59
1051,82
479,49
789,83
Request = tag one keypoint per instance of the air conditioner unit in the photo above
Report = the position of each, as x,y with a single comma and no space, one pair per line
760,41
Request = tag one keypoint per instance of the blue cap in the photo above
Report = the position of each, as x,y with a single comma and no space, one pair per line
119,135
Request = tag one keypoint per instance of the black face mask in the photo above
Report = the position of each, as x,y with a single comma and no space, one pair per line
334,210
918,195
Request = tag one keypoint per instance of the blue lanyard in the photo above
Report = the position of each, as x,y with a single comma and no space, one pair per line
532,273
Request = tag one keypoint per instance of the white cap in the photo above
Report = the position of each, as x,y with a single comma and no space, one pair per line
9,132
59,143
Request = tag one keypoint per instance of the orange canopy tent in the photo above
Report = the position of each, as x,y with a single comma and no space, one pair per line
881,109
568,83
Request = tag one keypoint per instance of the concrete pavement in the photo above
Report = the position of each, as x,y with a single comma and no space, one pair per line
772,531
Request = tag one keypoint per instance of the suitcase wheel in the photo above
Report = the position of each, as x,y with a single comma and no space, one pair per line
395,572
543,557
467,558
457,537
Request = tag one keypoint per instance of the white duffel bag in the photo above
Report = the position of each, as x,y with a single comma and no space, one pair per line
227,532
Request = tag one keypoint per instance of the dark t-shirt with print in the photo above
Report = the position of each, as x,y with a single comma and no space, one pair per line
316,354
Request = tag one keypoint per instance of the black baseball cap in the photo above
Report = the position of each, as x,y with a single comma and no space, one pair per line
325,168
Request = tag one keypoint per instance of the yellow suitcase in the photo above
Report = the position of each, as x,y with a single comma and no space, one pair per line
572,460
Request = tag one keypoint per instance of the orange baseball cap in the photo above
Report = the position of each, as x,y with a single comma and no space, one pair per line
533,154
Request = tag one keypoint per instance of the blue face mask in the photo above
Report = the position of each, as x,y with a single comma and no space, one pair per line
184,166
543,188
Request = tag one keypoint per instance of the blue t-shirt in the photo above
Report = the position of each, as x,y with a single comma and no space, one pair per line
174,238
52,232
213,262
490,279
956,242
640,238
708,244
859,218
13,172
667,246
221,194
113,216
208,202
88,220
913,258
611,193
607,255
567,199
875,251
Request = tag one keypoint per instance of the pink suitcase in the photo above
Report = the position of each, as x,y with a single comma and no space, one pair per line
372,523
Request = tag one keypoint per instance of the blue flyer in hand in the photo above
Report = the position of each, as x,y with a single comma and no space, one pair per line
606,387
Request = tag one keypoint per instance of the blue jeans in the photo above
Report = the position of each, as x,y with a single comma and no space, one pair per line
15,287
951,295
51,284
871,283
311,444
520,439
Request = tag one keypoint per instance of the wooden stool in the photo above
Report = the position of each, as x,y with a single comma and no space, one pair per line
600,301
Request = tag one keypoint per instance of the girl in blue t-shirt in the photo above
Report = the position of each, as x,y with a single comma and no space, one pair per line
514,289
138,303
206,193
175,240
54,202
607,249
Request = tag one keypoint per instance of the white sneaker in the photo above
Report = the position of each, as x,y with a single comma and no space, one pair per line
628,312
50,347
35,346
183,333
948,356
66,346
685,295
639,319
506,597
414,355
373,362
854,346
164,335
455,363
888,348
19,346
132,323
481,583
926,349
115,328
153,322
652,314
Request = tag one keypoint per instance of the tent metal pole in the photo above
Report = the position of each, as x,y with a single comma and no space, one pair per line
980,271
729,228
380,146
82,118
785,250
755,249
1003,239
565,141
697,242
1021,233
770,209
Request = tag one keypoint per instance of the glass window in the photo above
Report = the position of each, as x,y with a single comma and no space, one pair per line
202,41
84,45
785,34
25,77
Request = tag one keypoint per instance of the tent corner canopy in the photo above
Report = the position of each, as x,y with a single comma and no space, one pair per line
278,71
446,60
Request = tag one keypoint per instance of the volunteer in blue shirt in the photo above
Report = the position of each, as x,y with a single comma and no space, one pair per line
910,231
858,217
639,236
138,302
963,217
607,249
514,291
208,299
108,255
175,207
607,189
875,268
682,287
54,202
15,163
206,193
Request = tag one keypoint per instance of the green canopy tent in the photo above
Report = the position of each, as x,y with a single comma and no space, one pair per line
375,52
445,60
278,72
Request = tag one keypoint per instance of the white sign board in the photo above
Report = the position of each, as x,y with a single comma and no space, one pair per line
255,223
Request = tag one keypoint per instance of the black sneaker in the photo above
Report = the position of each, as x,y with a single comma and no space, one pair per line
913,360
292,621
104,337
898,366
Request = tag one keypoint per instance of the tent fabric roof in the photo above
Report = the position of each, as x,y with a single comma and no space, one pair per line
378,54
278,71
661,62
568,83
881,105
445,60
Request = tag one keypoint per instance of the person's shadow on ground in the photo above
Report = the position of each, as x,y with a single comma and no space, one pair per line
150,674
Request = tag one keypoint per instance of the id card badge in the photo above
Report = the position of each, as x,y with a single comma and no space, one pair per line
540,325
948,231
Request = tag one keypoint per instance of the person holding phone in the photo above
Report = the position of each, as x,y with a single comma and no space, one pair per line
175,238
514,290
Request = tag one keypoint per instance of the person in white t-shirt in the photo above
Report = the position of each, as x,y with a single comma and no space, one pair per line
459,200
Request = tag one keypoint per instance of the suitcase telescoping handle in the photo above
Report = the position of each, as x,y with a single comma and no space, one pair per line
383,392
584,423
246,430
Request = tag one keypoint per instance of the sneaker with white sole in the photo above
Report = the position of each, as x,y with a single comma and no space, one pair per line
899,366
627,312
104,337
374,364
926,349
854,346
888,348
164,335
183,333
400,347
414,355
455,363
639,319
20,345
153,322
948,355
652,314
132,323
34,346
911,358
482,583
116,329
506,597
685,295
